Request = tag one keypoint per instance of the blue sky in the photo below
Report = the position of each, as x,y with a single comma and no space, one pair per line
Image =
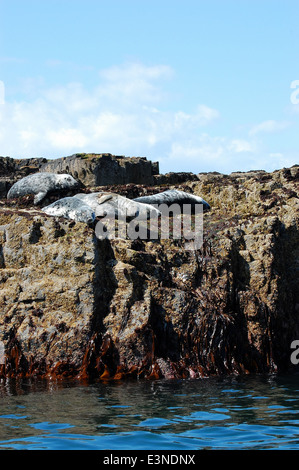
199,85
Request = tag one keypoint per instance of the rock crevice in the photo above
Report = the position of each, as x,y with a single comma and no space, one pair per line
78,307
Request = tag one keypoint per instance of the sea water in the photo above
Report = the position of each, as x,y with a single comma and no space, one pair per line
252,412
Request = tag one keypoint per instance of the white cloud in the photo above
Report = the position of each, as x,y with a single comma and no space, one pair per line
66,138
239,146
207,114
202,116
209,153
126,113
280,160
269,126
276,155
120,115
132,84
136,72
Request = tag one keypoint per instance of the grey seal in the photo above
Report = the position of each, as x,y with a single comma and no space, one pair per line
40,184
111,204
71,208
173,196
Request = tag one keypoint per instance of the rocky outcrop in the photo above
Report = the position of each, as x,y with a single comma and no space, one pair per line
78,307
104,169
89,169
174,178
11,170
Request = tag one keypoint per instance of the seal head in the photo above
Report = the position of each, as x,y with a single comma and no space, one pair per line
71,208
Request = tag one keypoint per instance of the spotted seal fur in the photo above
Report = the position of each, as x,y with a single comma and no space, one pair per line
40,184
111,204
71,208
173,196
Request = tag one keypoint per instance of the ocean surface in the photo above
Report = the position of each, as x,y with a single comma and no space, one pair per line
255,412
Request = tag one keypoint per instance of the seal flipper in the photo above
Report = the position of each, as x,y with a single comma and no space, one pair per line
39,197
104,197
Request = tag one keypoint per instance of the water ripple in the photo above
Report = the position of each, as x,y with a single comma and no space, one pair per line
232,413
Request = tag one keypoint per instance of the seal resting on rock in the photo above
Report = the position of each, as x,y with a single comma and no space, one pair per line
71,208
85,207
173,196
40,184
111,204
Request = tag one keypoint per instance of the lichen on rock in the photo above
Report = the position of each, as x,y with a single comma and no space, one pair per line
79,307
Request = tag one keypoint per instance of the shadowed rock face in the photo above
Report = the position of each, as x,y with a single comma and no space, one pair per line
12,170
88,169
104,169
75,306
